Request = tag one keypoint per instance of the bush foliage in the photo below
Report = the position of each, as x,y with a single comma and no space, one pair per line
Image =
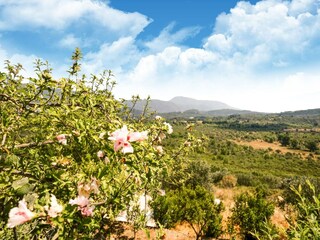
196,206
72,156
251,213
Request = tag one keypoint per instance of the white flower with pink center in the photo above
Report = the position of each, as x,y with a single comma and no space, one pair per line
122,138
83,205
87,211
55,207
19,215
81,201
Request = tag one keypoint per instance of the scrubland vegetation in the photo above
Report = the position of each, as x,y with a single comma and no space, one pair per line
72,158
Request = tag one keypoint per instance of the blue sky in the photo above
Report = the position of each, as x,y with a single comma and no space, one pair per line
256,55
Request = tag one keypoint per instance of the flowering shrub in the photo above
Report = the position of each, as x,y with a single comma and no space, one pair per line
71,156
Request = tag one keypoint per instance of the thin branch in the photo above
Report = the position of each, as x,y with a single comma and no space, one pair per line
3,139
15,235
134,102
33,144
145,109
195,231
25,174
8,98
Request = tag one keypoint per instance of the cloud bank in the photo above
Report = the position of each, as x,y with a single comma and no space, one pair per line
252,59
261,56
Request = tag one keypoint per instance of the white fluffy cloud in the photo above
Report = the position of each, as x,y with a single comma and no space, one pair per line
270,32
251,60
70,41
62,14
117,56
26,60
107,33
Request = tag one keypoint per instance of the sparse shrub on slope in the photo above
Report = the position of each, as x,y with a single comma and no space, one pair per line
195,206
251,213
228,181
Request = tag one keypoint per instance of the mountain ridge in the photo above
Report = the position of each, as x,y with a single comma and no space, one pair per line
179,104
186,103
193,106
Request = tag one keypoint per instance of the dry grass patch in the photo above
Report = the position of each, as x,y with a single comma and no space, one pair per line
276,146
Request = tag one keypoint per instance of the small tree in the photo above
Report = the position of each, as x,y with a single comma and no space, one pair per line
195,206
251,213
199,173
312,146
284,139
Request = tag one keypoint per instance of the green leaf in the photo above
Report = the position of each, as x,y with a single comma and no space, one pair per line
3,77
20,183
27,188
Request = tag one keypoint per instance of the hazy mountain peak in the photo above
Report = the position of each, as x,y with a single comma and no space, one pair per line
181,104
186,103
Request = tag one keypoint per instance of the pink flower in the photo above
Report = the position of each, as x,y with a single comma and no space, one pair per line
122,138
55,207
94,186
87,211
83,205
62,138
81,201
19,215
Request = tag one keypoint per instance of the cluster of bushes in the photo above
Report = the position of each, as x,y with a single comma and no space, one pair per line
300,141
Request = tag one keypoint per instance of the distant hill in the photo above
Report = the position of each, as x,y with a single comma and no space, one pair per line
302,113
180,104
229,112
185,103
185,106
